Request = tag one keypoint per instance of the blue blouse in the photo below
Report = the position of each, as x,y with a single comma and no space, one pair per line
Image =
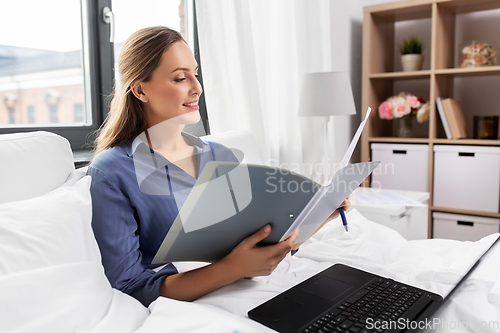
133,211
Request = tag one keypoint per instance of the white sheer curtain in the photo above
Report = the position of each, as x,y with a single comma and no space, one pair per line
253,54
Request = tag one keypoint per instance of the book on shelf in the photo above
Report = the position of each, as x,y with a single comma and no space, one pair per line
446,126
455,118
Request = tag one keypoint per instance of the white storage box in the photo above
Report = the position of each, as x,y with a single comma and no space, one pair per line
467,177
402,166
463,227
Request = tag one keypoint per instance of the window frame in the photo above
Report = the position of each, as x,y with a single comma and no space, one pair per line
98,67
92,27
201,103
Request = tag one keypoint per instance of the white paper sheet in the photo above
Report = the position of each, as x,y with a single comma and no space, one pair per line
354,142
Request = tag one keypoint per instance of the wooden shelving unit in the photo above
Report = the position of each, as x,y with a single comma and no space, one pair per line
379,77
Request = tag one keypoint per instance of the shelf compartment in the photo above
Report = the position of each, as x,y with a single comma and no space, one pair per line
458,23
387,25
478,96
380,90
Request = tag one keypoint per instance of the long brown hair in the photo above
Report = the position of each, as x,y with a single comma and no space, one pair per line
139,57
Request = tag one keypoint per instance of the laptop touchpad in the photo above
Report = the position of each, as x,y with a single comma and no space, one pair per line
327,288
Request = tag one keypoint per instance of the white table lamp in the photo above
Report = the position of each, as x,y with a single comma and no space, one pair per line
324,95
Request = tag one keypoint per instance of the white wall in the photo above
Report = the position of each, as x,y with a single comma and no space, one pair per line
346,32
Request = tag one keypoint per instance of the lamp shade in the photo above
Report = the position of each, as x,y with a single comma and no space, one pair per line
326,94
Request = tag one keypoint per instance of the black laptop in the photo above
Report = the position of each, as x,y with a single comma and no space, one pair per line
346,299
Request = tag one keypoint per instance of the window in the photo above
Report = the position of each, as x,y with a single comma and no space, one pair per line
45,64
53,114
37,65
78,113
59,77
175,14
12,115
31,114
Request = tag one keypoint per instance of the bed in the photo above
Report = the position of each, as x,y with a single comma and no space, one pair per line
52,280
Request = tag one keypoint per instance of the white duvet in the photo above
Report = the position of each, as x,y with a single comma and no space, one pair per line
436,265
51,278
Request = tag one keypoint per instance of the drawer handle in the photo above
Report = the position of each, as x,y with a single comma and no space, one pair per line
399,152
466,154
469,224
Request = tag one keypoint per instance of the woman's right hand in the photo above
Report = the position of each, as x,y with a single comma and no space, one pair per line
246,260
249,259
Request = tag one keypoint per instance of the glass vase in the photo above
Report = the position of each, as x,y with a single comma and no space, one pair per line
406,127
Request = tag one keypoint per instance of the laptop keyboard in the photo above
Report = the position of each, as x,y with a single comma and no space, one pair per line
382,300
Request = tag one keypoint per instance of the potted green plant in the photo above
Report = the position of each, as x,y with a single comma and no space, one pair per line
411,54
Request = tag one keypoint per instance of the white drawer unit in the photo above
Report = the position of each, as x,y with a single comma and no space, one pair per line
402,166
410,222
463,227
467,177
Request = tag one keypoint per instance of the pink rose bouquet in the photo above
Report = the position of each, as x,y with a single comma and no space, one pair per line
402,105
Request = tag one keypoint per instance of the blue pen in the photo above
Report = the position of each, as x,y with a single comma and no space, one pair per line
344,220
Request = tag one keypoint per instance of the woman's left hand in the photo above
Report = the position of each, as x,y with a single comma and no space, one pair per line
345,204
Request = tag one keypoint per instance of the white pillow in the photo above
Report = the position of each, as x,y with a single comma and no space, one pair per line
33,164
49,230
51,276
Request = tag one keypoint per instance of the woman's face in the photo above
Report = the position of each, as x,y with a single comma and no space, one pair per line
173,91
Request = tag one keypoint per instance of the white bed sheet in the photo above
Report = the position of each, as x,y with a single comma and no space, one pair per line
435,264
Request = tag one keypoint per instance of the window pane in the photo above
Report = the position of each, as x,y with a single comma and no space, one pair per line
130,17
175,14
53,113
78,109
12,115
31,114
41,74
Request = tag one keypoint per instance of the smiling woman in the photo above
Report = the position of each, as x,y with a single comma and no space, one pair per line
57,71
158,95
